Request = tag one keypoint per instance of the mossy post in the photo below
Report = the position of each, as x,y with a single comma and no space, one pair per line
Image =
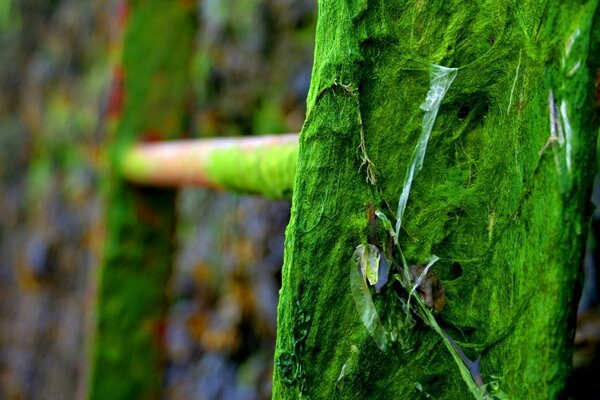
148,103
263,165
501,199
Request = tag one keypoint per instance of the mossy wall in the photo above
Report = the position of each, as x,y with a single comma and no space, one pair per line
138,250
502,204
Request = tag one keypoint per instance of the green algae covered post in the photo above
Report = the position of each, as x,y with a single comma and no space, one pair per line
262,165
455,142
148,103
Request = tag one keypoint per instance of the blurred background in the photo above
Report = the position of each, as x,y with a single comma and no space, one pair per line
251,74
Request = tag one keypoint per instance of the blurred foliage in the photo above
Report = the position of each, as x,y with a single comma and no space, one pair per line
253,65
53,71
251,75
9,18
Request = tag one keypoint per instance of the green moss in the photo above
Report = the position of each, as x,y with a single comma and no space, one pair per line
137,256
290,365
268,171
506,222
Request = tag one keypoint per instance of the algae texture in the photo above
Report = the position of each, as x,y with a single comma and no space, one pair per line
502,198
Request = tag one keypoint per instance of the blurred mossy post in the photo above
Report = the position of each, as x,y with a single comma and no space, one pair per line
262,165
149,101
502,197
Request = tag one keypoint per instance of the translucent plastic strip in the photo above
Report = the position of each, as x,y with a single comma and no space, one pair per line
440,80
418,281
568,134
